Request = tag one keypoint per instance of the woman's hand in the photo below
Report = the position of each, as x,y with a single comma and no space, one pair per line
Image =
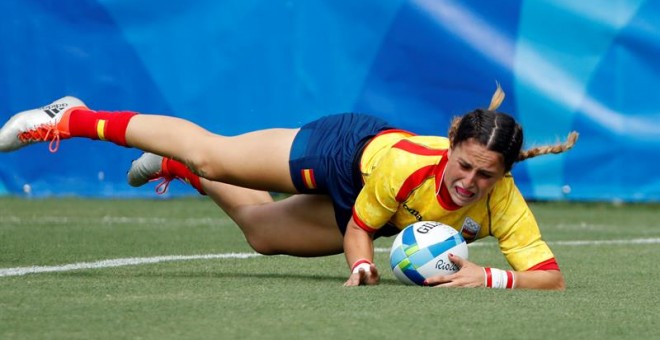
469,275
364,277
472,275
359,252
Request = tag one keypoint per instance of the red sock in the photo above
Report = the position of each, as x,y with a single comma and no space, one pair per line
179,170
103,125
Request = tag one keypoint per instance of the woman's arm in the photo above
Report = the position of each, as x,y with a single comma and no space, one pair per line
540,279
359,251
472,275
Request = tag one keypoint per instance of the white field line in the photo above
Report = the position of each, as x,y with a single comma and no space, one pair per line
651,240
111,220
133,261
119,263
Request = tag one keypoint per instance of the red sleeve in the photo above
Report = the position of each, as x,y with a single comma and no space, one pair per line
550,264
361,224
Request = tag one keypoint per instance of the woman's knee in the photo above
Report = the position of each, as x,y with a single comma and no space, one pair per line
200,159
262,245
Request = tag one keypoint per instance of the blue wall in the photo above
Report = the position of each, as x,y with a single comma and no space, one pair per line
235,66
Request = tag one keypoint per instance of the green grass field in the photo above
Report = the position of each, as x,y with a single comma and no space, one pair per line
611,277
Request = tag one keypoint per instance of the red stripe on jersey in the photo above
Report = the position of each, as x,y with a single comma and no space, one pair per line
414,181
420,175
361,224
417,148
509,279
444,198
384,132
550,264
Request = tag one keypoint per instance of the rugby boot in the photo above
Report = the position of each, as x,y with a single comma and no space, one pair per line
150,167
45,124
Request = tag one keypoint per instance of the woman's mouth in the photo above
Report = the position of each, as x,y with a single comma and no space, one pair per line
464,193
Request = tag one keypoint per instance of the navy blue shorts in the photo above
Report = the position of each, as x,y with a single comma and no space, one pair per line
325,159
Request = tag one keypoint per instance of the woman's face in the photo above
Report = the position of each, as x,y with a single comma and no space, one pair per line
472,171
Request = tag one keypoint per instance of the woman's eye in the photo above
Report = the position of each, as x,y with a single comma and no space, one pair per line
485,175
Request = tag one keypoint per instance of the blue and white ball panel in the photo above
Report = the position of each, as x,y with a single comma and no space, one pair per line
421,251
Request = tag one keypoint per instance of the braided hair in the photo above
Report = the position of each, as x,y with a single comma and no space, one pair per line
499,132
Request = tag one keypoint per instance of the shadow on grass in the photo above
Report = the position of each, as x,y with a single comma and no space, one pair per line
199,274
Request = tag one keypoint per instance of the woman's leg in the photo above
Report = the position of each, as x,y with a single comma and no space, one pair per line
258,160
302,225
299,225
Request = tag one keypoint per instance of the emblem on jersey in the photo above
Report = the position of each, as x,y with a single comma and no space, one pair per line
470,229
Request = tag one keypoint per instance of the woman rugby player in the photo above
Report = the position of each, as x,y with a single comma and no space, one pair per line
352,177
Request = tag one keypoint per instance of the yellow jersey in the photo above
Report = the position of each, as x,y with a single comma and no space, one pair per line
402,175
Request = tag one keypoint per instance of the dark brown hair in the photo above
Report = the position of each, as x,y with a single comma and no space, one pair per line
499,132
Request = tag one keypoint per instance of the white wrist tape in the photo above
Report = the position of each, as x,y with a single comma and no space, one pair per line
361,264
497,278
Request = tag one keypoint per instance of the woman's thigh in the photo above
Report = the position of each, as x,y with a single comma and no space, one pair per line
299,225
258,160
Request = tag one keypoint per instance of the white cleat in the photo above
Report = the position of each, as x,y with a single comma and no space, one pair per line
45,124
148,168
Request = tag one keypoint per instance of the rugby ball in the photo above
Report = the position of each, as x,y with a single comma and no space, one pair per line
421,251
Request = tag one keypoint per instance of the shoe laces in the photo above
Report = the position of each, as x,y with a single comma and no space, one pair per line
42,133
163,175
162,187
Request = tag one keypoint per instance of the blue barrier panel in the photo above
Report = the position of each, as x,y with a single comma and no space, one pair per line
237,66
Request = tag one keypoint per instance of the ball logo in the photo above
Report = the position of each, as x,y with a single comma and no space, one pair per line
426,227
446,265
